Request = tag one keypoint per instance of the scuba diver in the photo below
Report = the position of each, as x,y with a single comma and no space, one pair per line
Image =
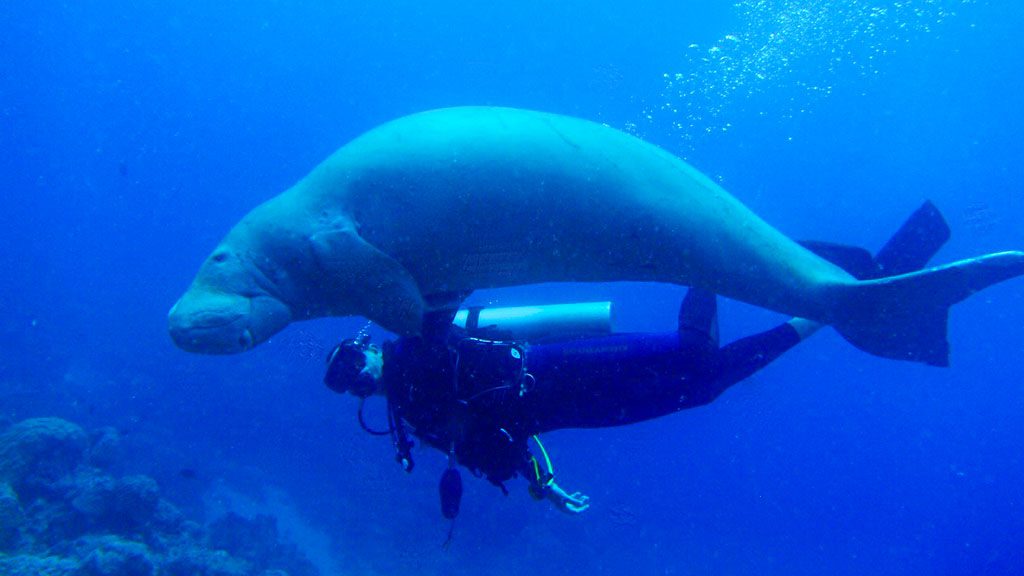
481,396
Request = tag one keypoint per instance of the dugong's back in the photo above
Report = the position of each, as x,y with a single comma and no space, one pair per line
466,198
479,197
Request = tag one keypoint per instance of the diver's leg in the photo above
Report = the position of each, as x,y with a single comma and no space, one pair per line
611,380
698,316
739,360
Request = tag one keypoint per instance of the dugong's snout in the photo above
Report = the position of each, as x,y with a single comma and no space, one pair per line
210,322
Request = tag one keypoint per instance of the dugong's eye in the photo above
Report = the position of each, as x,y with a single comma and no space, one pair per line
219,257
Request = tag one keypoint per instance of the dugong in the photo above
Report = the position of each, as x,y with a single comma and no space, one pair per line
447,201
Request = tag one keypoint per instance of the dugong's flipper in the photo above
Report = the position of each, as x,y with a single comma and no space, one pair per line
388,293
905,317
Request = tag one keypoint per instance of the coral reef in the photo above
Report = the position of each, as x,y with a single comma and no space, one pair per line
65,512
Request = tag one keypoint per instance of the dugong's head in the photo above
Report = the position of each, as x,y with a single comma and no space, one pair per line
286,262
242,294
230,307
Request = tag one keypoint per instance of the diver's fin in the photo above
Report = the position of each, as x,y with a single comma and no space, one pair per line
908,250
914,244
856,261
699,312
905,317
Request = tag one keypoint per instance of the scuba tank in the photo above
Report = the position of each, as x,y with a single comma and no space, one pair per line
531,323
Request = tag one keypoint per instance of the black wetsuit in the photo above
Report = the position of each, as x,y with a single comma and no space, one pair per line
484,399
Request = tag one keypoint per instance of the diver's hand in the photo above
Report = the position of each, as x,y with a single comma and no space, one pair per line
569,503
576,502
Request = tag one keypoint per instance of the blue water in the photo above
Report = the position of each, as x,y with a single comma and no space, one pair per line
134,134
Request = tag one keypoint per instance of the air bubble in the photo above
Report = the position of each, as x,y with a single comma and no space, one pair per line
785,46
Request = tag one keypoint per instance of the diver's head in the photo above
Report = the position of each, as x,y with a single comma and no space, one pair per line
355,366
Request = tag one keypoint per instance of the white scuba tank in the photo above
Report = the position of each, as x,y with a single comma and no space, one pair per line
532,323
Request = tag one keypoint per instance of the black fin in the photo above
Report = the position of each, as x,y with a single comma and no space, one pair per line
855,260
914,244
908,250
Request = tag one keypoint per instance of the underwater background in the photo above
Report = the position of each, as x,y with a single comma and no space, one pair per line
133,135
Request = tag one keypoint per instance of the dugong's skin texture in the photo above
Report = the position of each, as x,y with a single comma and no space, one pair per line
452,200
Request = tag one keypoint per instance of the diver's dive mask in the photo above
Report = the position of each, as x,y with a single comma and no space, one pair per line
353,366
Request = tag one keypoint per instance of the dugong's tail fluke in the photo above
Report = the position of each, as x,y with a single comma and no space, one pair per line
904,317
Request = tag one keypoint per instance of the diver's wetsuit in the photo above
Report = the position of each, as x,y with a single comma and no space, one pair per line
627,378
484,399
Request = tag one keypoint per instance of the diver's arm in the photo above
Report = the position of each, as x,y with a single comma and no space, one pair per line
543,487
